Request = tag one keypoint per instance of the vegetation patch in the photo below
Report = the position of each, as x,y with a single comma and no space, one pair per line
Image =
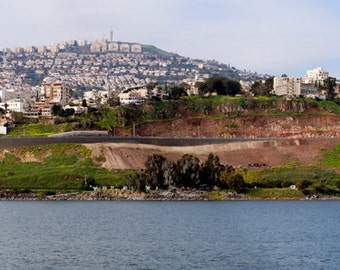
62,167
330,106
39,130
331,158
274,193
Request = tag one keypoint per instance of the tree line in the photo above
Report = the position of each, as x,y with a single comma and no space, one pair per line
186,172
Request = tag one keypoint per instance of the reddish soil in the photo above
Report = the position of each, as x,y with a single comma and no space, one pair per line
265,153
248,126
302,139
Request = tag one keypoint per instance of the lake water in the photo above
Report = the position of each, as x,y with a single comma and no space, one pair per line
170,235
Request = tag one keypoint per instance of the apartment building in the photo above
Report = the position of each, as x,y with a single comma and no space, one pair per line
287,86
315,76
55,92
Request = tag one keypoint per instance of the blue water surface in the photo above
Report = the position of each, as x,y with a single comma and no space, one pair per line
170,235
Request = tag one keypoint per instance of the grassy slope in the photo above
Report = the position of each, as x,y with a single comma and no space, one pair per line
64,167
53,167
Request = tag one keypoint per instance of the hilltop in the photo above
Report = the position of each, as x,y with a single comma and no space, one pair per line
104,65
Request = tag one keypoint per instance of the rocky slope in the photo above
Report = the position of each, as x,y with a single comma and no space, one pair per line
305,126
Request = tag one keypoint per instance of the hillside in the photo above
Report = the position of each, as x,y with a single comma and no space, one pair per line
279,143
228,118
304,130
105,65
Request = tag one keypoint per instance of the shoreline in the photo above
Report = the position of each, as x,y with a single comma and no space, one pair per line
154,195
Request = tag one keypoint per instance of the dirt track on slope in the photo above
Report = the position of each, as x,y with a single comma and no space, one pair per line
121,156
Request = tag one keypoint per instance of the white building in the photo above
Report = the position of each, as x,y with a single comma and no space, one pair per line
136,48
95,98
316,76
13,106
124,47
114,47
287,86
3,130
42,49
133,97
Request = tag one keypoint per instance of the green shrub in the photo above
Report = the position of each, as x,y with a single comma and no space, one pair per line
303,184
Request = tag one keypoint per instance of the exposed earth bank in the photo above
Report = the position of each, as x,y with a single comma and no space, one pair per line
239,154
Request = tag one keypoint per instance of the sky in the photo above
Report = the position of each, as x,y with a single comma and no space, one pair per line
272,37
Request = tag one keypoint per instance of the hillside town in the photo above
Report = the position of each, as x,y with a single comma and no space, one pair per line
102,65
33,79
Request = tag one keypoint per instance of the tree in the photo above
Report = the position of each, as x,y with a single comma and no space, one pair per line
302,184
222,86
84,103
177,92
218,85
226,172
68,112
6,107
56,109
140,182
210,171
136,181
233,87
188,169
202,88
236,182
329,85
18,117
154,169
170,172
259,88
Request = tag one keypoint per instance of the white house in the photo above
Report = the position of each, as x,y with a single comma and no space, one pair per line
94,98
133,97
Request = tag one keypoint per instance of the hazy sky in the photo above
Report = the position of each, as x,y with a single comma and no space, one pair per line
267,36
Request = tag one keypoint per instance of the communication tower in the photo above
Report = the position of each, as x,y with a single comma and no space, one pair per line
111,36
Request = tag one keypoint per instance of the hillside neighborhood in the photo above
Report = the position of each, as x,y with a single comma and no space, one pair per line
79,75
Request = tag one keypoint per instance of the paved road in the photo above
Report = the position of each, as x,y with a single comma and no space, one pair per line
11,142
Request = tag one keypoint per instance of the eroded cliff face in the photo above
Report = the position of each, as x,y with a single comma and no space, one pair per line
249,118
305,126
